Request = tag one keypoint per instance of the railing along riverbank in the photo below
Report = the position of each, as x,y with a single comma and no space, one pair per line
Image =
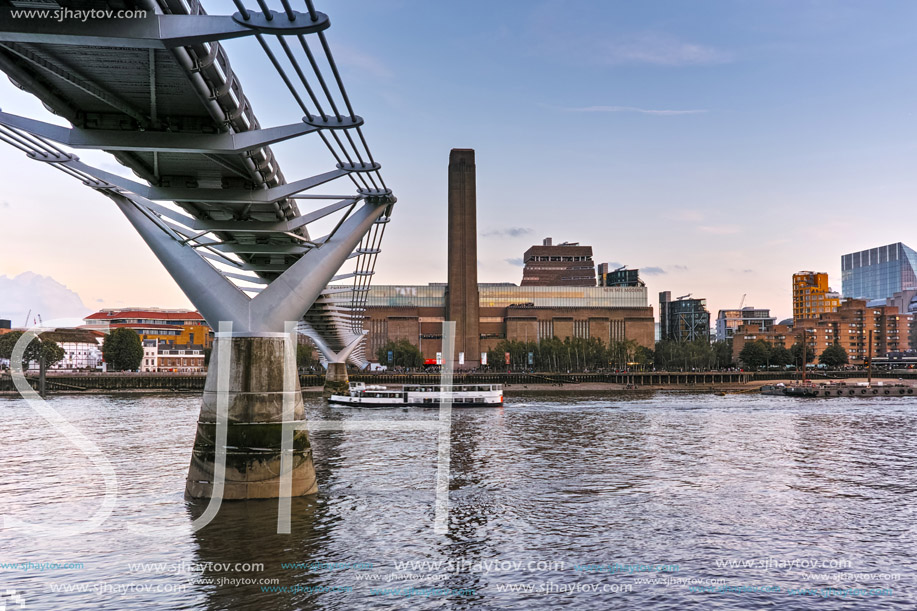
115,382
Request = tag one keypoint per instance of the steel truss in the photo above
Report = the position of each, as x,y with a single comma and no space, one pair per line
212,203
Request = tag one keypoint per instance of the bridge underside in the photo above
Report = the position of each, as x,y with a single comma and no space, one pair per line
206,193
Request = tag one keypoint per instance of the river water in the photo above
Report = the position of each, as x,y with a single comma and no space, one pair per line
667,501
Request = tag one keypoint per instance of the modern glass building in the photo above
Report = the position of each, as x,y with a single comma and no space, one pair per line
879,273
507,295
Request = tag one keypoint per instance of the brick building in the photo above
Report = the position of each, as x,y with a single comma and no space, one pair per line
486,314
170,326
849,326
566,264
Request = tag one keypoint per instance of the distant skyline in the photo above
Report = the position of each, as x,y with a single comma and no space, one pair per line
719,146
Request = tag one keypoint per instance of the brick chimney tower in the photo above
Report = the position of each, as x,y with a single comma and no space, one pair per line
463,305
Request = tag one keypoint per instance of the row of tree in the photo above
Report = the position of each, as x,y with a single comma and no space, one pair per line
760,353
581,354
121,349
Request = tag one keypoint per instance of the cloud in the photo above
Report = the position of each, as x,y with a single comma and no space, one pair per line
512,232
40,294
100,301
660,50
349,56
517,262
651,271
4,204
718,229
689,215
645,111
680,268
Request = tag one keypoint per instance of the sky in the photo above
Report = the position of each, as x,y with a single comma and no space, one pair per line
718,146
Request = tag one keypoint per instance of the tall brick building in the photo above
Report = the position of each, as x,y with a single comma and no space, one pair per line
486,314
566,264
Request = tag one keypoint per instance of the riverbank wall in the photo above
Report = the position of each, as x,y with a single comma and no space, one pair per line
514,383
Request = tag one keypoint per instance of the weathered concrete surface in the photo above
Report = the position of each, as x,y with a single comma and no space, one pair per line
253,440
336,380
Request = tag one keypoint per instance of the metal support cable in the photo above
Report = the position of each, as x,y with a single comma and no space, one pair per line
35,149
355,149
311,10
25,150
302,77
343,150
38,140
265,10
70,172
366,146
283,75
288,9
242,10
319,75
337,74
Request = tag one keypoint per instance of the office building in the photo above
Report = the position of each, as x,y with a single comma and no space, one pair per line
566,264
727,321
684,319
812,296
879,273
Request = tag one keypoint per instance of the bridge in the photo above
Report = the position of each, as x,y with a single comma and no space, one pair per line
259,255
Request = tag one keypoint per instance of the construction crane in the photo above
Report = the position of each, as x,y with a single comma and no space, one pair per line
683,297
744,295
26,323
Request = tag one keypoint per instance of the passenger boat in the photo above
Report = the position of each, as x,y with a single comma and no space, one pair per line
420,395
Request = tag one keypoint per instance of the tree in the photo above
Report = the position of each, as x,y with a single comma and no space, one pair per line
781,356
52,352
123,350
304,356
834,356
404,354
722,354
755,354
796,351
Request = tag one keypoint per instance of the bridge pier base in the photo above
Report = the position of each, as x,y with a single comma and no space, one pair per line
256,399
336,380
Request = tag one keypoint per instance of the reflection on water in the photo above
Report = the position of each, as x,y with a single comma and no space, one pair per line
691,492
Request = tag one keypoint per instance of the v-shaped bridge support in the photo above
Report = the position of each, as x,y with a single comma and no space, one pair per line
286,298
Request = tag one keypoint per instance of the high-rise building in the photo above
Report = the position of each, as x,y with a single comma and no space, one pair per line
683,320
879,273
727,321
566,264
463,301
812,295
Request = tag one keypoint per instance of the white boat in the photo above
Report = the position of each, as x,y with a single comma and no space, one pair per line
421,395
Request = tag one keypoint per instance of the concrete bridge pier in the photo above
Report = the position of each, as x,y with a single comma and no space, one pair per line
336,380
261,384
